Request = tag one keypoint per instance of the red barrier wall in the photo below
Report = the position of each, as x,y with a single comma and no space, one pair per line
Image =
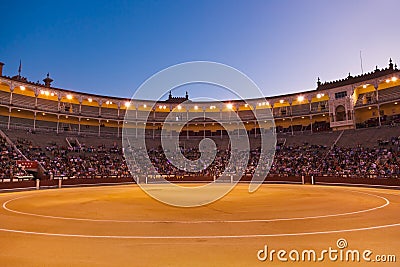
382,182
389,182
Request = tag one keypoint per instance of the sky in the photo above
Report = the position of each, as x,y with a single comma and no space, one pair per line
112,47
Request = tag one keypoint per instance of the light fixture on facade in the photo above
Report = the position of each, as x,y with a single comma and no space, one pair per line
281,101
69,96
179,107
90,100
127,104
22,88
394,79
300,98
196,107
229,106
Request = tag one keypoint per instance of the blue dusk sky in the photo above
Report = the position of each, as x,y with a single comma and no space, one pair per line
112,47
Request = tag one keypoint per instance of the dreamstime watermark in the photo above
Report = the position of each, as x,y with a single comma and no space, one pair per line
139,115
340,253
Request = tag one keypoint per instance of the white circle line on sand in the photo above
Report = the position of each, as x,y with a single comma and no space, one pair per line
201,221
201,236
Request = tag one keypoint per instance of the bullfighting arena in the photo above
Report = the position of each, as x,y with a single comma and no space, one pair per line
122,226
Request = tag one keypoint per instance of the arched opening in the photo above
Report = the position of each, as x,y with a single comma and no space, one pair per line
340,113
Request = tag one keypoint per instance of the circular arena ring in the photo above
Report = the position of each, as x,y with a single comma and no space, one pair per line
122,226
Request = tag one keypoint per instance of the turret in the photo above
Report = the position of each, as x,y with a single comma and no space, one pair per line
47,80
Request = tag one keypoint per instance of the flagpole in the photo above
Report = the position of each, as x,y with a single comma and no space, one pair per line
19,69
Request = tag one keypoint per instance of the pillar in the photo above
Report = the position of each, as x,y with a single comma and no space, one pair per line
11,93
80,104
119,107
34,121
9,118
58,119
379,106
291,124
100,104
59,96
36,96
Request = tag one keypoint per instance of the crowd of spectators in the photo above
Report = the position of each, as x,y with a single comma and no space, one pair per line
8,164
88,161
71,162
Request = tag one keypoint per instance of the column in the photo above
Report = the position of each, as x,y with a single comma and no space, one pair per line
59,96
34,120
11,93
36,96
58,119
9,118
119,107
80,99
255,121
291,124
379,106
220,106
100,104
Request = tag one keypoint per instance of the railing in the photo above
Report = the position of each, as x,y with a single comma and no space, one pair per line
341,123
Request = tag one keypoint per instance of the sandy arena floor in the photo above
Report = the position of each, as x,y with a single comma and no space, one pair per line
122,226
